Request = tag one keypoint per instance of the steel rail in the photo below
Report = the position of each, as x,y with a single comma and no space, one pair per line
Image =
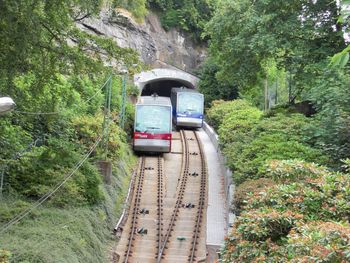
135,210
180,194
160,207
201,202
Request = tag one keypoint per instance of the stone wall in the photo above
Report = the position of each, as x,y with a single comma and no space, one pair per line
157,47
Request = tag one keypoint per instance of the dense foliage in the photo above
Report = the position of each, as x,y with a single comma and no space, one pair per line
249,139
330,129
285,63
290,208
281,193
298,35
212,87
190,16
303,217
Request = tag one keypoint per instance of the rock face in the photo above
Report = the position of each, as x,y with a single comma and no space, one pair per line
157,47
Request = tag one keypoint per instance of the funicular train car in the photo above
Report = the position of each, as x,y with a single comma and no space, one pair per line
188,106
153,124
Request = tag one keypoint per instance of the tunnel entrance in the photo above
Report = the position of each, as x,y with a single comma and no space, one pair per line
161,87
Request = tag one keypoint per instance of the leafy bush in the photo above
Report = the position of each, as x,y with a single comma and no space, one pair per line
266,223
252,161
4,256
249,187
220,109
249,141
35,173
301,220
88,129
294,170
13,140
291,126
319,242
239,123
257,234
330,128
316,194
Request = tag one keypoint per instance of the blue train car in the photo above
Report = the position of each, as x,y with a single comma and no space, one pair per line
188,106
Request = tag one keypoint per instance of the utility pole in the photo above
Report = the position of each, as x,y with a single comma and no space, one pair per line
107,116
276,92
123,106
290,87
266,95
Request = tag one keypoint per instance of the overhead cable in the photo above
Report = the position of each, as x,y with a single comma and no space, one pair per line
24,213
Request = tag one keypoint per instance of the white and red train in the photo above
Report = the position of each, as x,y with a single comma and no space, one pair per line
153,124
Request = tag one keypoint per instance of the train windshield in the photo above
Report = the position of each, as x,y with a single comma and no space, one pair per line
190,102
153,119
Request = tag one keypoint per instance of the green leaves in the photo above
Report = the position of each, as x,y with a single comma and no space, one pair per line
303,214
249,140
340,59
245,34
189,16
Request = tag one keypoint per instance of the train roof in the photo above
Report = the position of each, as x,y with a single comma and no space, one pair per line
154,100
183,89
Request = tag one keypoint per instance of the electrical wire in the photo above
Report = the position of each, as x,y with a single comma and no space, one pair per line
37,113
98,91
24,213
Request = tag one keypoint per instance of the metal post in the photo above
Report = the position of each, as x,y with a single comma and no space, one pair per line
106,118
108,115
266,95
122,111
290,87
2,181
276,94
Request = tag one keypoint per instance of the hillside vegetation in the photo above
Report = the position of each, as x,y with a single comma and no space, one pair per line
291,172
290,207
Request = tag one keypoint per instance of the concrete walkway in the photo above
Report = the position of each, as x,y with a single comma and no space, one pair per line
217,207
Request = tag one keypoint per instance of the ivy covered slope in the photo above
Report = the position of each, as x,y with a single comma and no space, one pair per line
290,207
189,16
55,74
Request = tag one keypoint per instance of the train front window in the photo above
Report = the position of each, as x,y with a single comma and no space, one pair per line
153,119
190,102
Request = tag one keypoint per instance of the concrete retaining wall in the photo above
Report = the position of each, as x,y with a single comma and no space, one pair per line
225,171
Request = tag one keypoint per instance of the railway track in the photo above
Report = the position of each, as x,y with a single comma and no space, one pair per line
166,226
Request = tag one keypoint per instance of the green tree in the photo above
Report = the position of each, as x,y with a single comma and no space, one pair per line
297,34
190,16
211,87
42,37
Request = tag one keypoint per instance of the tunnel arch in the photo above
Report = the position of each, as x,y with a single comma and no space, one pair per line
161,81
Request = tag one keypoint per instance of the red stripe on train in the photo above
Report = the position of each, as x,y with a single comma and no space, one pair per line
143,135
